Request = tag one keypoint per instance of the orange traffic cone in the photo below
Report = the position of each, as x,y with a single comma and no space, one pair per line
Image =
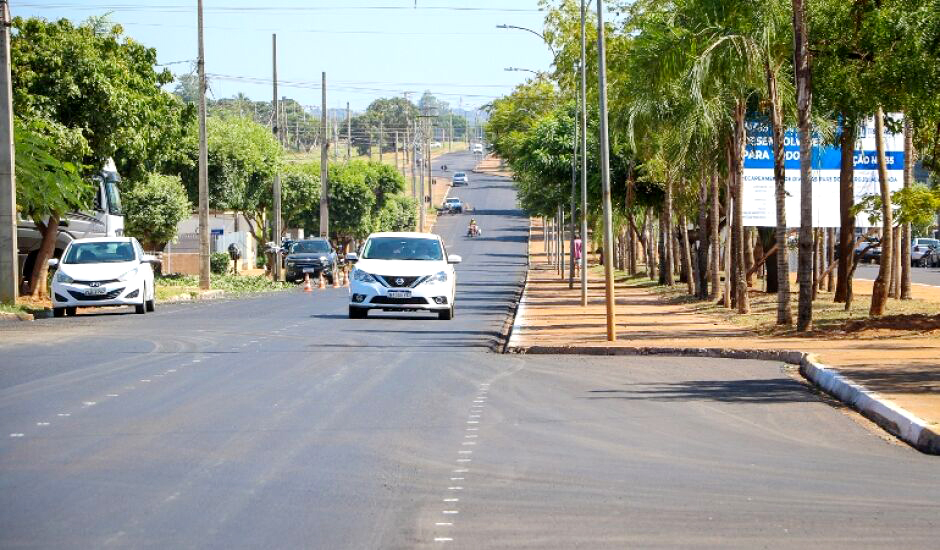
345,278
307,286
321,284
336,275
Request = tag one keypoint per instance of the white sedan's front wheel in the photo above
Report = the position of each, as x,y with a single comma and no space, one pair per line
446,314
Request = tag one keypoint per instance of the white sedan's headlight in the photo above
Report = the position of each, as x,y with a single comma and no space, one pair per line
61,277
362,276
439,277
129,275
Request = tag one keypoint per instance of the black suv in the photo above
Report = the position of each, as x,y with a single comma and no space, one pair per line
310,257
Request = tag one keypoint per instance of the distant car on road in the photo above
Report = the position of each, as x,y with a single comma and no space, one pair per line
925,252
403,271
477,148
435,145
460,178
453,205
311,257
103,271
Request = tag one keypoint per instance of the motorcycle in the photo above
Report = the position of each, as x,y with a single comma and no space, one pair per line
474,231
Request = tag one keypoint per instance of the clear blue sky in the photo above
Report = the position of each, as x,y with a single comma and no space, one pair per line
368,48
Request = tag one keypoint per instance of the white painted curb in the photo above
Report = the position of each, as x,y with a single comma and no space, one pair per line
909,427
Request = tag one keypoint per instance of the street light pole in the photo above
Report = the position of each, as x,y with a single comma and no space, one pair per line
605,178
276,119
583,161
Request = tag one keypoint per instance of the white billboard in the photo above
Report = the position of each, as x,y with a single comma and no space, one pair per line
759,204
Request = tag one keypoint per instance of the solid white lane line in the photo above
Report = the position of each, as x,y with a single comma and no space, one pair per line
451,500
444,523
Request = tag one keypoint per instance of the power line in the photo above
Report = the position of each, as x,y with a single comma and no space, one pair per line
178,8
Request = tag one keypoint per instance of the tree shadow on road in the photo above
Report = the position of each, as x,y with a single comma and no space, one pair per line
760,391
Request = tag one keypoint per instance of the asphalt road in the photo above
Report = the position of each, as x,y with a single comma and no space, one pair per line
277,422
919,275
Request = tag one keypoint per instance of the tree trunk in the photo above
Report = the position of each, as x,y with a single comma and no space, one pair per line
740,141
817,246
666,227
664,262
896,263
715,238
906,228
830,256
804,101
749,255
686,255
879,293
37,280
846,202
701,252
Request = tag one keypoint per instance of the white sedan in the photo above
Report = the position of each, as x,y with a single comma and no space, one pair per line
106,271
403,272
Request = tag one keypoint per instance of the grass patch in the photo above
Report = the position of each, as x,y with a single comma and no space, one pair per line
829,318
173,285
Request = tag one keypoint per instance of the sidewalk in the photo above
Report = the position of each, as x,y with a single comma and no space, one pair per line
892,380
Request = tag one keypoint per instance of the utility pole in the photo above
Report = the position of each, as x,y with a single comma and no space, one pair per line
203,166
397,166
348,134
276,105
605,178
421,206
584,300
9,262
324,160
381,139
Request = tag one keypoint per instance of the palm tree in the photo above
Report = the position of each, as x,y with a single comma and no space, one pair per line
879,293
804,101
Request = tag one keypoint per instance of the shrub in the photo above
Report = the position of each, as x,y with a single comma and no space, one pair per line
219,263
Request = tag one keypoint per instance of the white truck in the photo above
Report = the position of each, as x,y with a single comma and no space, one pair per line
106,219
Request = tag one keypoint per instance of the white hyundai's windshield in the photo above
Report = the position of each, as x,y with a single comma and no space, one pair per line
402,248
100,252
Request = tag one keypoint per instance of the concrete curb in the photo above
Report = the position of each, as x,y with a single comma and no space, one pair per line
908,427
503,338
188,297
15,317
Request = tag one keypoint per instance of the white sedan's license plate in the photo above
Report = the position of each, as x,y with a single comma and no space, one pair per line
96,291
399,294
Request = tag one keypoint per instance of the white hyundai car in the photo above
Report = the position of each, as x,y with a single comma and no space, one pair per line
403,272
105,271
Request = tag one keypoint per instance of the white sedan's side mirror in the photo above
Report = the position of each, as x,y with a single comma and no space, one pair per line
454,259
148,259
54,263
352,257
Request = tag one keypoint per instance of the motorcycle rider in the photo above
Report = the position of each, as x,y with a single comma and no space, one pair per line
473,229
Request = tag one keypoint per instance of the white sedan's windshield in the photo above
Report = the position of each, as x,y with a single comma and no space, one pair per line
100,252
402,248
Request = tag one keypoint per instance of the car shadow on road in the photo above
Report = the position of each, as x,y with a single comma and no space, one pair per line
761,391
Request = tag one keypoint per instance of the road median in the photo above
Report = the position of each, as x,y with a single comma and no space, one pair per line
894,381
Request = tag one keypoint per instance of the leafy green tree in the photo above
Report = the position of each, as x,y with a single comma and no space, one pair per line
243,158
300,196
154,208
47,188
93,80
351,201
